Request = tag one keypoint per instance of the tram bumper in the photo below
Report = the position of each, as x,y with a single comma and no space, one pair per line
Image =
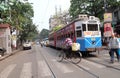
91,49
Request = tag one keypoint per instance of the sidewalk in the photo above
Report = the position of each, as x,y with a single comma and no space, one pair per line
7,55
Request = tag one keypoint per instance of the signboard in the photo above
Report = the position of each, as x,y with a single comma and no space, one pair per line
107,17
91,33
107,30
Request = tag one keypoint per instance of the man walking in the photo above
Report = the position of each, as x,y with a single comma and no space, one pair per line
113,45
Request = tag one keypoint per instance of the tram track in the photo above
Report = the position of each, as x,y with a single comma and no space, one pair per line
53,74
108,66
76,65
93,74
80,67
87,71
96,76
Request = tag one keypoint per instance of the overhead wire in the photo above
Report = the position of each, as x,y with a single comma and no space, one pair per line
44,13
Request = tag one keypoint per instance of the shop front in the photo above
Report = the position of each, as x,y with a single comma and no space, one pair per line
5,37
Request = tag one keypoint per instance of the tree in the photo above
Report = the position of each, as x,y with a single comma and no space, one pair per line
29,33
44,34
76,8
21,14
91,7
18,15
57,28
3,10
59,20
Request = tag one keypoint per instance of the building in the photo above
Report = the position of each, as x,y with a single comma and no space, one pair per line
59,19
116,19
52,22
5,37
116,15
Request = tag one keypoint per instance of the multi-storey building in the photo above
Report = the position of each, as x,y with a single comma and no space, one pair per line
59,19
116,19
116,15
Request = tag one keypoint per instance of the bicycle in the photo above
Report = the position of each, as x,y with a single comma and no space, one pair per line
74,56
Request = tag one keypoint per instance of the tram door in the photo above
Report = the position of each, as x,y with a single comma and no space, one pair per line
79,35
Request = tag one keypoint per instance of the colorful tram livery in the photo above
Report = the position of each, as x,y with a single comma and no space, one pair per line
85,31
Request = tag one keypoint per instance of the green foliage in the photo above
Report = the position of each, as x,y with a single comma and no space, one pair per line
29,32
56,28
76,8
44,34
91,7
18,15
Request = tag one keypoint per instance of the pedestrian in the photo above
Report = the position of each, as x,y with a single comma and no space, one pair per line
41,43
119,47
113,45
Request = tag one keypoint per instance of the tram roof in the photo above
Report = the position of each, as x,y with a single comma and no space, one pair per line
77,19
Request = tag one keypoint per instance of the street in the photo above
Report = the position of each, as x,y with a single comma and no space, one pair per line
32,31
40,62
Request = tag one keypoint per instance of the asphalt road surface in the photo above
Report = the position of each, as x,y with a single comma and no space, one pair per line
40,62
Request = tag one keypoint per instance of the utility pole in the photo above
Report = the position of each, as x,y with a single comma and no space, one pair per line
108,30
105,5
92,6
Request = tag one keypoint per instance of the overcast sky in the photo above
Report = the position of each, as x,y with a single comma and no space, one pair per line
43,9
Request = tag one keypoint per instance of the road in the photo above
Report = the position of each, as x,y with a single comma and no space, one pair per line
40,62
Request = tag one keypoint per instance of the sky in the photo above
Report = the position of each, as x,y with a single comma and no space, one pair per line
43,9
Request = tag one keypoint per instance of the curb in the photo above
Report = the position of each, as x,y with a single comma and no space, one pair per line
7,55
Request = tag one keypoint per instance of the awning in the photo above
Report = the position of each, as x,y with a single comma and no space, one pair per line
4,25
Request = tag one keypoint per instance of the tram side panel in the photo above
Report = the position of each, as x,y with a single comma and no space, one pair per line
52,40
81,41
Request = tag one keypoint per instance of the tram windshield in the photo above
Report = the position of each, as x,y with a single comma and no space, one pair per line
92,27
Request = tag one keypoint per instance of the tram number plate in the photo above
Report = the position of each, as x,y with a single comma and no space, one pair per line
93,38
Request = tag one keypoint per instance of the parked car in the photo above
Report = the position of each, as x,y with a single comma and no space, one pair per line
2,51
26,45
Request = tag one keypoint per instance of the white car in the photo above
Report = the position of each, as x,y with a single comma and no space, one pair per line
26,45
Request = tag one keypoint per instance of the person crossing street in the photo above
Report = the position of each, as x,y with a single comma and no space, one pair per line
113,45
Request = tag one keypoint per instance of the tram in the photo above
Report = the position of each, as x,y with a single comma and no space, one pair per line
85,31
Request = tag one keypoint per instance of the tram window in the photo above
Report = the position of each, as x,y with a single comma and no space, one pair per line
83,27
92,27
68,35
79,27
79,33
72,35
